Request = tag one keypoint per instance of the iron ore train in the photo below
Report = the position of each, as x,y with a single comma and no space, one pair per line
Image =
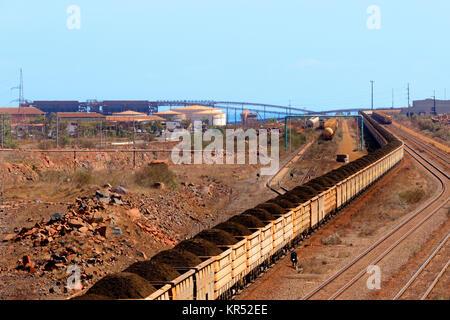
382,117
218,262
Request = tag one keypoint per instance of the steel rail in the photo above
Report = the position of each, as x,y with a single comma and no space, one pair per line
386,236
298,153
431,287
432,150
393,246
418,272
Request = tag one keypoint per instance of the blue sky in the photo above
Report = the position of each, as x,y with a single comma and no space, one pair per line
317,54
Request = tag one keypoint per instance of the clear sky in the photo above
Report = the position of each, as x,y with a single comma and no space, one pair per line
318,54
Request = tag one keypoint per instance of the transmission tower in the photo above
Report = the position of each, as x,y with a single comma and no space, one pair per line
21,99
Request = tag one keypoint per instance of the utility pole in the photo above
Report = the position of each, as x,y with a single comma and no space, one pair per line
434,104
134,130
226,120
21,98
408,97
100,133
372,92
57,131
392,98
3,129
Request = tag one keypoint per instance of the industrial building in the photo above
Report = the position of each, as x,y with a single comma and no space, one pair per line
57,106
21,115
110,107
248,118
426,107
131,116
171,115
79,116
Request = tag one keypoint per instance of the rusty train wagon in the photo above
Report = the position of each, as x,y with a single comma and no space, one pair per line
217,277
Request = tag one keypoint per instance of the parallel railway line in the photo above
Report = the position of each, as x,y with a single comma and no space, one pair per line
420,272
442,158
335,286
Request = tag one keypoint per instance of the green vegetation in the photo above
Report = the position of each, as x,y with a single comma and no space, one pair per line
7,137
295,139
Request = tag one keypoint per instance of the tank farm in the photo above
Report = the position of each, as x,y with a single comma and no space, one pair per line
218,262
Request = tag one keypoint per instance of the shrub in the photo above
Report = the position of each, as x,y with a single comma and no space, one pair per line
82,177
85,143
412,196
46,144
160,172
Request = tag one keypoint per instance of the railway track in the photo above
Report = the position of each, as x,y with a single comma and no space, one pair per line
442,157
347,277
420,277
284,170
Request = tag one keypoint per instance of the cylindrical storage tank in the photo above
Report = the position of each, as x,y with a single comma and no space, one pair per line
220,119
331,123
179,117
329,128
328,133
313,122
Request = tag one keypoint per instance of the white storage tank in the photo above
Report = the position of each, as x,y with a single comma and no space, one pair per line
220,119
313,122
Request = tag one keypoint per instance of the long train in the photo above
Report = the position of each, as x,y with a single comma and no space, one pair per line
220,276
382,117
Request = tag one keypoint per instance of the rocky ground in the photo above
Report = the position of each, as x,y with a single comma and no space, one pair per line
57,212
102,231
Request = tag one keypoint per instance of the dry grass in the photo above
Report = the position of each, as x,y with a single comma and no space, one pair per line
412,196
148,176
366,231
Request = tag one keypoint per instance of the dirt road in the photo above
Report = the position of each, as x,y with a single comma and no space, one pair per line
348,143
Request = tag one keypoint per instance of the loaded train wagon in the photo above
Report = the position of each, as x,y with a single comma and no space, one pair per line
223,280
200,283
163,293
253,249
277,235
238,261
301,220
266,242
287,228
314,212
382,117
204,279
183,287
330,200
